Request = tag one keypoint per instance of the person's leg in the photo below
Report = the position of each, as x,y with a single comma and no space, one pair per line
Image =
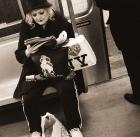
133,68
127,40
70,104
31,108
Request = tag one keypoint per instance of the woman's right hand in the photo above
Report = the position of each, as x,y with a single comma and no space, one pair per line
30,50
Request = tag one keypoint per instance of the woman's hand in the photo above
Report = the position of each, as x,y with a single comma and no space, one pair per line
71,75
62,37
34,77
30,50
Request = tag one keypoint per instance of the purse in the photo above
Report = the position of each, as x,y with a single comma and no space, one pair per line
80,55
52,63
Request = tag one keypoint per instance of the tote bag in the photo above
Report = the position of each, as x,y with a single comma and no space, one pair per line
81,55
52,63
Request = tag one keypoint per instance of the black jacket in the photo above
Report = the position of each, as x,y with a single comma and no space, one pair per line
124,20
54,27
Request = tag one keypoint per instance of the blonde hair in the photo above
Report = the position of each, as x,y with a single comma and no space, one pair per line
29,19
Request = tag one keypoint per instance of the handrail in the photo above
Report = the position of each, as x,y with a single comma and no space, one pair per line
21,8
71,13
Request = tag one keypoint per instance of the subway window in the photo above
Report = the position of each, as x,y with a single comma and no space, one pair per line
10,17
12,12
80,7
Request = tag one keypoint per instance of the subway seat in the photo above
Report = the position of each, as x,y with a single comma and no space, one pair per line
10,71
7,90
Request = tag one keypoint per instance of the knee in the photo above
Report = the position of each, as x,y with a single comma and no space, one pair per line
28,100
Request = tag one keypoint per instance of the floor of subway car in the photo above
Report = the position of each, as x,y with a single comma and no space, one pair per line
104,111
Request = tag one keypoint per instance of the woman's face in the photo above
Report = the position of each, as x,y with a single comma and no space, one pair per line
40,16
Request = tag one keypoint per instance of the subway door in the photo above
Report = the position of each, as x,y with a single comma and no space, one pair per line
89,21
92,26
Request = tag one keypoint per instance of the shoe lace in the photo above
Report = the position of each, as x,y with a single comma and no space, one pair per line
34,134
64,133
74,129
76,132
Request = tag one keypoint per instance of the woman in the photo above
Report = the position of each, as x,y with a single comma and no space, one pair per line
42,21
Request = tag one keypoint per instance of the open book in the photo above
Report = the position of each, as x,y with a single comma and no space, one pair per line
37,42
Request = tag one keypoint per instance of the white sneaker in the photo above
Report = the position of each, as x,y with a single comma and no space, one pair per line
47,122
75,132
36,134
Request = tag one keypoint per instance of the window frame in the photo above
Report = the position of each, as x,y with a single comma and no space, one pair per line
81,14
12,26
16,24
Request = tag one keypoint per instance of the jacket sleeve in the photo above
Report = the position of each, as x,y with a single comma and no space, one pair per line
20,51
65,25
69,30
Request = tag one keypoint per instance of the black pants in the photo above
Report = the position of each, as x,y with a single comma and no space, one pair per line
70,104
133,67
126,37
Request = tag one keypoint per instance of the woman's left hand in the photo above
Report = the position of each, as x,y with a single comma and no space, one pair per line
62,37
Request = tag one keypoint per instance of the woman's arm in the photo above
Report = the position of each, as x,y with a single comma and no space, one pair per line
21,54
63,24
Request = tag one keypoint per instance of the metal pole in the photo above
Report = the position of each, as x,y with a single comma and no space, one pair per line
61,7
73,21
72,17
21,8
